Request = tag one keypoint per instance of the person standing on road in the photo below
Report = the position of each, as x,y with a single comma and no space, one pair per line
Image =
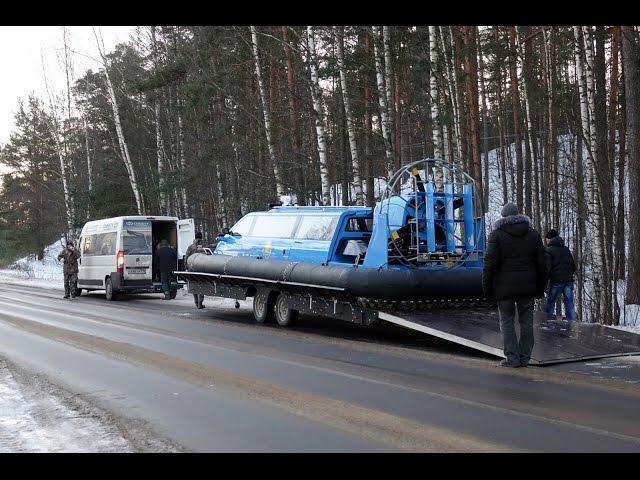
70,257
514,273
196,246
167,262
561,268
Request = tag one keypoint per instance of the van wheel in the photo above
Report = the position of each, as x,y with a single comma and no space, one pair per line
108,289
78,292
263,306
285,316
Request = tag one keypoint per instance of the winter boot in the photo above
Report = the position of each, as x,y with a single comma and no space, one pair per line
505,363
66,296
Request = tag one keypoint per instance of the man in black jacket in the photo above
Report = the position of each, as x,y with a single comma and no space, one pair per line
167,262
514,273
561,268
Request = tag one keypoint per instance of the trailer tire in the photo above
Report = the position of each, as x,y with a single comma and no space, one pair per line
285,316
109,293
263,306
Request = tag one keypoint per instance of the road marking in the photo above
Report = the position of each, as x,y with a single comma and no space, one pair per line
375,425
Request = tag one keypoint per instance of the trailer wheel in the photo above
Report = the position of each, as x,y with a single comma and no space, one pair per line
285,316
108,290
263,306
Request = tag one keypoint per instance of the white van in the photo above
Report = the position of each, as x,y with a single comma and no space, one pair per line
118,254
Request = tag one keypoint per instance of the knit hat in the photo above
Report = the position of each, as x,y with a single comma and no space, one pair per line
509,209
199,235
552,233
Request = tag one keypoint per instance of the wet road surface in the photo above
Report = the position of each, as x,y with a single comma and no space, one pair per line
213,380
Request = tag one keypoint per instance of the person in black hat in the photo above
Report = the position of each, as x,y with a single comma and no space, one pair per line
196,246
514,273
561,268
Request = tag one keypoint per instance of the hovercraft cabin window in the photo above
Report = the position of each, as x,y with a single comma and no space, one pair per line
243,226
274,226
316,228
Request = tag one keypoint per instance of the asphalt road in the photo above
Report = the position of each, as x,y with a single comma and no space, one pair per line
213,380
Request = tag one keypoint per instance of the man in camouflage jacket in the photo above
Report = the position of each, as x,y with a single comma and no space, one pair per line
196,246
70,257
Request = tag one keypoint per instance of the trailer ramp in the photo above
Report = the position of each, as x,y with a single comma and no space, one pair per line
555,341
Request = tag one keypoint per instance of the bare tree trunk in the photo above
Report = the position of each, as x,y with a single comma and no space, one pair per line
530,138
355,163
471,67
631,57
293,119
384,106
389,88
183,162
268,124
515,93
89,165
368,105
319,117
485,122
124,150
435,98
451,82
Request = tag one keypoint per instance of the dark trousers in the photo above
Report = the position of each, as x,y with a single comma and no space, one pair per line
165,279
70,283
198,298
517,351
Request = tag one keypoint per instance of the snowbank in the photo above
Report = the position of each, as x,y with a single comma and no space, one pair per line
34,419
45,273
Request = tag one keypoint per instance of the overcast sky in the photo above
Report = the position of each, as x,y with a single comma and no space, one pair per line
22,53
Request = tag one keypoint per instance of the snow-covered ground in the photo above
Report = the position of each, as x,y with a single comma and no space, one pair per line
33,418
45,273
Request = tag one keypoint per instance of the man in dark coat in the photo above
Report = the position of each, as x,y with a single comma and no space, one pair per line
167,262
196,246
514,273
70,257
561,268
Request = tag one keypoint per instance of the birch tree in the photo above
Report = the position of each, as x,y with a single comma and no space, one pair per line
631,60
319,118
435,99
382,101
266,114
357,180
124,150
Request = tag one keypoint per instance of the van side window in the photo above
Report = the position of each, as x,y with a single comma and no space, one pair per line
317,228
274,226
106,244
243,226
88,245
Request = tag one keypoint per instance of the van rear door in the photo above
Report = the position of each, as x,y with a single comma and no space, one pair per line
186,236
137,245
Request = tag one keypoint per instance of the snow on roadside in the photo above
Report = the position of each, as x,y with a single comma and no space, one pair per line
45,273
33,419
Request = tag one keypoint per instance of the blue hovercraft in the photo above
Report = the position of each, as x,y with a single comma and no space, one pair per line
422,244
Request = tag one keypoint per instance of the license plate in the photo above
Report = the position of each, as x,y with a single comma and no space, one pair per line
136,270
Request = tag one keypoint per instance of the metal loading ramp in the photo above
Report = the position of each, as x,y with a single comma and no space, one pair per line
555,341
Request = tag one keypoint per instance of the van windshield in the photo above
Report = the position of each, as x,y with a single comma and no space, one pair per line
137,238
